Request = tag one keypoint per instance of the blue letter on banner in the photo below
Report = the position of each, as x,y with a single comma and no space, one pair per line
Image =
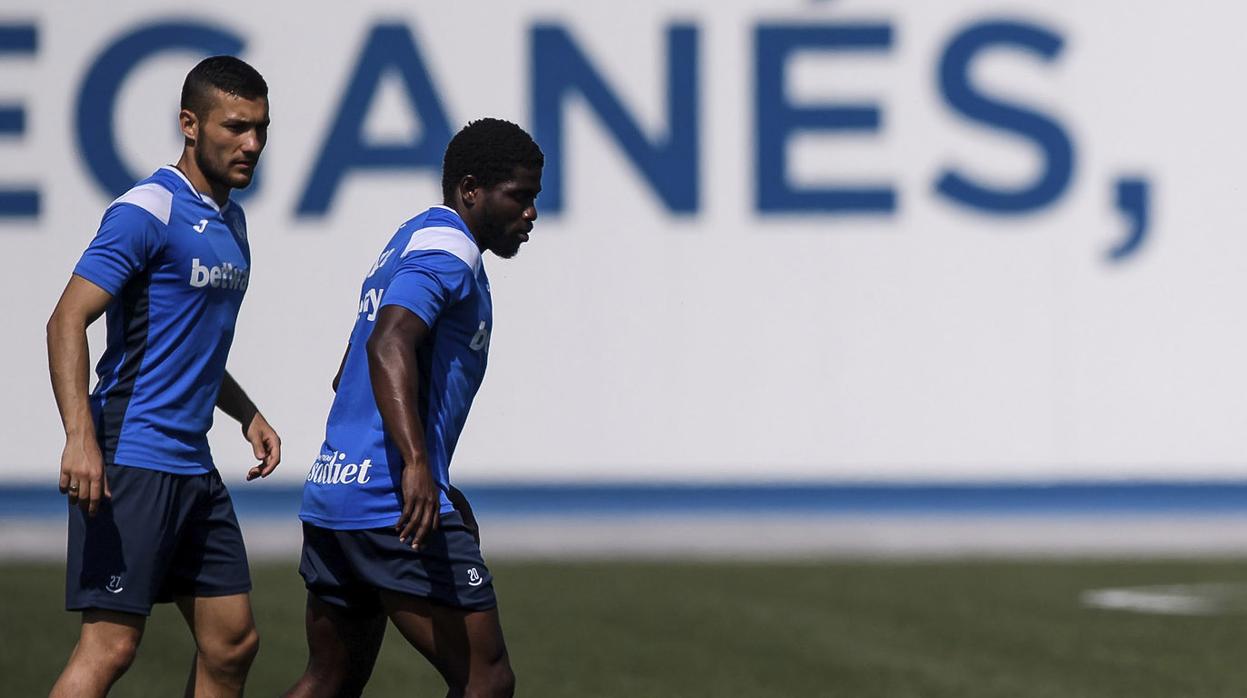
389,46
1043,131
777,118
669,165
19,39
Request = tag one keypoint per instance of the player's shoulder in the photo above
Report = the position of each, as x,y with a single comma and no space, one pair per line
152,197
440,229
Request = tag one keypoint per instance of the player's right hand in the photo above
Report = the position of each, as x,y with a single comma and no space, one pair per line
82,474
421,503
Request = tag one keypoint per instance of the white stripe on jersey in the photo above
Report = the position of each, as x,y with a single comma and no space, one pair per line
202,196
150,197
446,239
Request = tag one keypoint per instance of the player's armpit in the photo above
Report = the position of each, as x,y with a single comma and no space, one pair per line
341,367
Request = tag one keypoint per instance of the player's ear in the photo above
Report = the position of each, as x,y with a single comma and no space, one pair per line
468,190
189,124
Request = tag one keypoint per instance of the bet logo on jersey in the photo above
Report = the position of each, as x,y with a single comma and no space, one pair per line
225,276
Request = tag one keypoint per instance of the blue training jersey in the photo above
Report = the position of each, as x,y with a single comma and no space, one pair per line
433,268
177,267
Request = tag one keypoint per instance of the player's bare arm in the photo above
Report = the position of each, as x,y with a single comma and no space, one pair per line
394,375
82,475
265,443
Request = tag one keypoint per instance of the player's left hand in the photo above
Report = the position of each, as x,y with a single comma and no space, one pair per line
420,504
266,445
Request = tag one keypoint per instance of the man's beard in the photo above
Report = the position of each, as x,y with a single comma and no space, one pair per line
506,245
218,175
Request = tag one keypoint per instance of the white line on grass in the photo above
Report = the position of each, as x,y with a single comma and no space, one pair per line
1175,599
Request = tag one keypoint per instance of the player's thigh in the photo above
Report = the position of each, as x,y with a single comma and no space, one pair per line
343,642
455,640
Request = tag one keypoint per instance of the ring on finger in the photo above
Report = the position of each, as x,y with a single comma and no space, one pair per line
73,487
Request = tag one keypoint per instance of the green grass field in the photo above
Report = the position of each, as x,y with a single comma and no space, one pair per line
959,630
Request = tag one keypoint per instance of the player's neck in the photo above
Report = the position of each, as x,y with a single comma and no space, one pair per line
188,167
467,218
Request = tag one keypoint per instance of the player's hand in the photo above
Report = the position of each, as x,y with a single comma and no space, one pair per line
266,445
82,474
420,504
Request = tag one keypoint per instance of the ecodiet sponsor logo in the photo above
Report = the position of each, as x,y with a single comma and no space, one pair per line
225,276
329,469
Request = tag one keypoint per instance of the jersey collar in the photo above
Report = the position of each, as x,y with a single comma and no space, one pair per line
202,196
462,223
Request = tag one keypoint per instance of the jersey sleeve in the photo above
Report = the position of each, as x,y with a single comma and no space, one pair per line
128,240
427,282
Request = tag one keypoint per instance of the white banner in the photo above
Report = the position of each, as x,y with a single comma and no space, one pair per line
807,240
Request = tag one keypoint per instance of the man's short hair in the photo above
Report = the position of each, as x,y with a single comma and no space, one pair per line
225,73
489,150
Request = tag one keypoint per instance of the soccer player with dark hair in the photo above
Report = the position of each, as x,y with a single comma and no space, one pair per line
384,533
149,517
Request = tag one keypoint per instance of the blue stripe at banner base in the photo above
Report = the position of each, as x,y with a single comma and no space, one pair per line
1106,498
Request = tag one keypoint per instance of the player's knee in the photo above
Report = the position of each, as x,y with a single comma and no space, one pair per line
327,676
504,682
233,655
329,682
249,648
496,681
114,654
352,685
240,653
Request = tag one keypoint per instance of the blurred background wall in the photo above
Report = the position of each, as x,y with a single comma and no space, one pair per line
887,241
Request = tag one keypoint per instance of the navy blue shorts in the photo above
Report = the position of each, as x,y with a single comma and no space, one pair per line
161,535
348,568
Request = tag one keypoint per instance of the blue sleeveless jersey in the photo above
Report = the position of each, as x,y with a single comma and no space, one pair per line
433,268
177,267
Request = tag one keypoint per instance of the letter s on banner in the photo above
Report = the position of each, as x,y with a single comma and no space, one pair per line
1043,131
